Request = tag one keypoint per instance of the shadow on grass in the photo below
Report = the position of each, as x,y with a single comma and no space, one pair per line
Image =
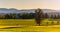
11,27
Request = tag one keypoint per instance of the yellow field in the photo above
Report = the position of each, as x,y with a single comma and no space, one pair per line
28,25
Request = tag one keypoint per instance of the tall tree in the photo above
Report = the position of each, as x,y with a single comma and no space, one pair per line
38,16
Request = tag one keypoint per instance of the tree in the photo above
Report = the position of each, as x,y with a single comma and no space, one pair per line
38,16
58,16
7,16
46,15
18,16
52,16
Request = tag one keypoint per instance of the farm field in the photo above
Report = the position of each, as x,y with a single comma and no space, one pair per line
29,25
14,22
27,22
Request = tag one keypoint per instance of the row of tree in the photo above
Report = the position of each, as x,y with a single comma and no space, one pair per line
18,16
52,16
28,16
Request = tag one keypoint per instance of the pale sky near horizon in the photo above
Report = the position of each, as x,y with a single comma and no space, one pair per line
28,4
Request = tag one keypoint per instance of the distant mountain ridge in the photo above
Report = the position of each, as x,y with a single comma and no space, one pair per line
13,10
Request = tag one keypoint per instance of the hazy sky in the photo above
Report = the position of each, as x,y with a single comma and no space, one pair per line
26,4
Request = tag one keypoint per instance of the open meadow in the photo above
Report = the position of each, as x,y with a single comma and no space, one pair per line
29,25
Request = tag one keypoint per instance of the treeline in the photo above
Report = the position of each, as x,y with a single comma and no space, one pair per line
18,16
51,16
28,16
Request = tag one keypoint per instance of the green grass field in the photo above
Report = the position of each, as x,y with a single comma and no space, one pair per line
25,22
29,25
17,22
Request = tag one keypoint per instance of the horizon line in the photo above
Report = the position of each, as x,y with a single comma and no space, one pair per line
31,8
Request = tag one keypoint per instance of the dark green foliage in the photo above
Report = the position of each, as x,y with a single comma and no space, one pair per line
46,15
